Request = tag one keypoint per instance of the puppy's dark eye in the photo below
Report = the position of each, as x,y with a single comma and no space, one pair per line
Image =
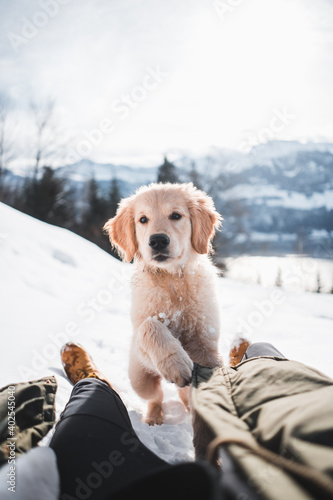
175,216
143,220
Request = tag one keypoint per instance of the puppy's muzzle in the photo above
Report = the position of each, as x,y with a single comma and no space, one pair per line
159,244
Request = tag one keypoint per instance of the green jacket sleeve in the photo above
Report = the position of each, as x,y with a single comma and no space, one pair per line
27,413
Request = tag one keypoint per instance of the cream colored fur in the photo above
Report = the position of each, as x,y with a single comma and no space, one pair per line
175,313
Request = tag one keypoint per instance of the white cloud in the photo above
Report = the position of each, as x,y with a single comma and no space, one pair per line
225,75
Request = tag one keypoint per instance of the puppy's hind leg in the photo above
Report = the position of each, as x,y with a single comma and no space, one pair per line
148,386
155,399
184,396
154,413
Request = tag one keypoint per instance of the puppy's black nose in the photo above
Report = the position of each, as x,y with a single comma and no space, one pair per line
159,241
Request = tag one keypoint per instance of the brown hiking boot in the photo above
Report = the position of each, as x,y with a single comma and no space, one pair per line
78,364
237,351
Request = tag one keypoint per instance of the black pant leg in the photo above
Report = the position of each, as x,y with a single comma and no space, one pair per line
98,451
261,349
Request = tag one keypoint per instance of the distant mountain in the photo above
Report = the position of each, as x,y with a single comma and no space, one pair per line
281,204
85,169
276,199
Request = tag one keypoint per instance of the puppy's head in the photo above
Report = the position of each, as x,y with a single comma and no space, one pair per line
163,224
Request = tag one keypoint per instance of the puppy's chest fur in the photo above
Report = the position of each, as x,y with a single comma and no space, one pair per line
176,301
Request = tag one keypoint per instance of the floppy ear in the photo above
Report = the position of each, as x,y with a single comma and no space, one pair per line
121,231
204,218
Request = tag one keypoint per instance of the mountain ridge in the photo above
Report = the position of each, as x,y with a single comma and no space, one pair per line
277,198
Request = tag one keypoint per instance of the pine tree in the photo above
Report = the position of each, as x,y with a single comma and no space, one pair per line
96,209
47,198
194,176
167,172
278,279
114,198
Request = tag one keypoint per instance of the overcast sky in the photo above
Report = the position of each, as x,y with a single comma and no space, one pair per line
157,75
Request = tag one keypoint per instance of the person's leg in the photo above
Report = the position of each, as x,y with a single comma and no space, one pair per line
97,449
261,349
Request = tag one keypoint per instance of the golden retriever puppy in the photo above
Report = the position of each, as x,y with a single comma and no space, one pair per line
167,229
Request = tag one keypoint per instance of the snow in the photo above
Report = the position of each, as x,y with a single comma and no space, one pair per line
303,202
275,197
85,169
297,273
278,148
57,287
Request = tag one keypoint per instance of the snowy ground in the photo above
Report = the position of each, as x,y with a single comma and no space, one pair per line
297,273
57,287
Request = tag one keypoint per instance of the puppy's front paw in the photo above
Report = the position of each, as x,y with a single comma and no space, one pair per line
177,368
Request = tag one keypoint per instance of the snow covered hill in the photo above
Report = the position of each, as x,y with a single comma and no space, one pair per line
56,287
